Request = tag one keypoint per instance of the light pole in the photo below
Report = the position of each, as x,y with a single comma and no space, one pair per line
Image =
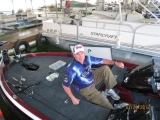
45,8
86,7
13,8
56,8
31,5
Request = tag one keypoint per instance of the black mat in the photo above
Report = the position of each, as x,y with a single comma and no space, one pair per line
49,97
138,97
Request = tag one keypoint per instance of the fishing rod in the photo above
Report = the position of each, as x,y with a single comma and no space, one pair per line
16,86
17,80
22,90
28,94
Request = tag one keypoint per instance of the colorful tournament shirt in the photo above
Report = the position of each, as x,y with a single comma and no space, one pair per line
80,75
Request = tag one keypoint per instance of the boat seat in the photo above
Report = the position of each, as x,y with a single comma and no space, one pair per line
18,14
5,17
7,20
20,11
134,17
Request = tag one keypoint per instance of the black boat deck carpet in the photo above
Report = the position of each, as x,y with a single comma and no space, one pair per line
49,97
139,97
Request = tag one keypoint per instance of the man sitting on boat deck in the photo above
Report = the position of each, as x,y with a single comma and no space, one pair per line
84,80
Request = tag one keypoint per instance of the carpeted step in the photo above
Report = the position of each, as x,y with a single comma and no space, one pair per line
138,97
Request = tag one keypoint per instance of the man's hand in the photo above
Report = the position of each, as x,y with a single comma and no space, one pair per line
75,101
110,62
119,64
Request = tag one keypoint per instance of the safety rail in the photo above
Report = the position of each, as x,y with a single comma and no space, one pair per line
142,33
105,23
67,21
133,30
118,24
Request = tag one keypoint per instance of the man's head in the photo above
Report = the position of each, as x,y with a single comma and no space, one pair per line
79,53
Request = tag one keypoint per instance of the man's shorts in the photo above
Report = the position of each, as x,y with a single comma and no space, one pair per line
66,10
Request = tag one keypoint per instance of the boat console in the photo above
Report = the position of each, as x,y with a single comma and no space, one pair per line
143,78
144,70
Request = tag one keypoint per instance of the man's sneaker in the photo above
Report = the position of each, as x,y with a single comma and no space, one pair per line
112,94
121,105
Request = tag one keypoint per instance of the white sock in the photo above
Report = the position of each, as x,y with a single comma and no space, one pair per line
106,90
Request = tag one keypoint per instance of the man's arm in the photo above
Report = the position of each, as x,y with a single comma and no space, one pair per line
75,100
110,62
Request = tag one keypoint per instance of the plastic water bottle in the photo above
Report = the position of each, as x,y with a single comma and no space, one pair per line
52,76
